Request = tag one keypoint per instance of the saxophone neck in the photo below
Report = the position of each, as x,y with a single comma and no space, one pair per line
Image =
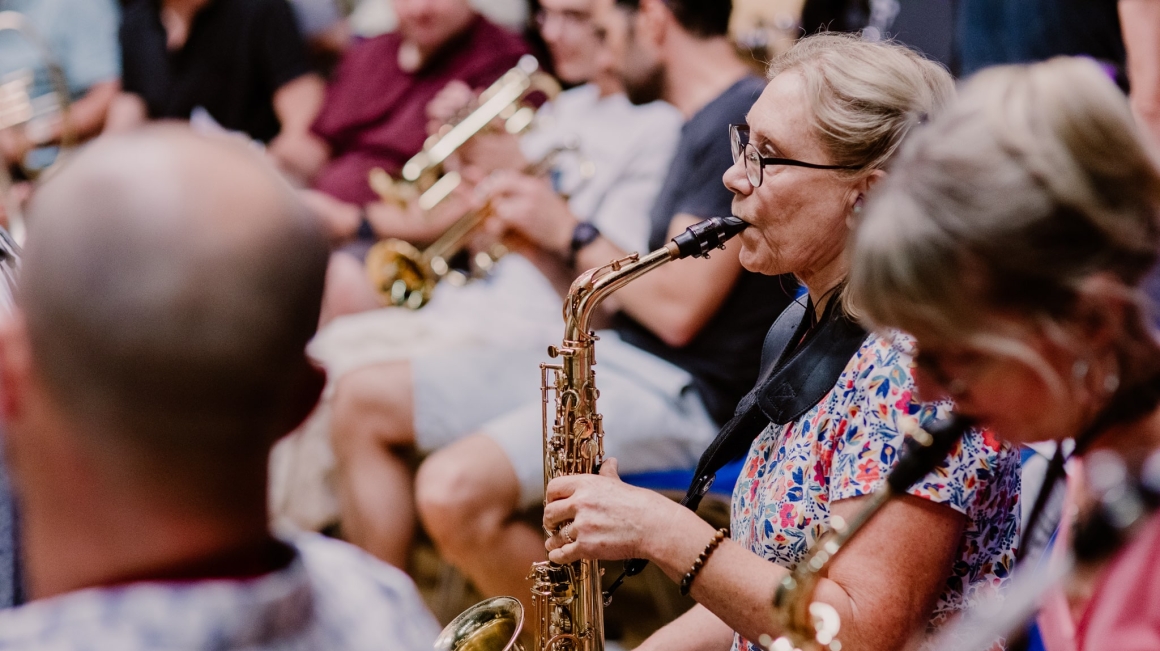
593,286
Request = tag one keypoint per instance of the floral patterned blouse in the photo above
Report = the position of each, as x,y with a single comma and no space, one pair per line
845,446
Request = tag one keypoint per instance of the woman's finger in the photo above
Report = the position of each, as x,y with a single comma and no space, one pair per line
566,554
610,468
557,540
557,513
562,487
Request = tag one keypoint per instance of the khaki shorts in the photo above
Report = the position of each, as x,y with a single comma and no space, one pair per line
653,416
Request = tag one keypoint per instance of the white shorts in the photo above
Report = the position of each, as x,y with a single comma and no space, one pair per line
653,416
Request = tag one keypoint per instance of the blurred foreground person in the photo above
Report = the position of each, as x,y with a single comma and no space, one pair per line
157,353
1011,239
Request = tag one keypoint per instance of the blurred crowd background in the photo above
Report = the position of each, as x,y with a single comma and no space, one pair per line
335,90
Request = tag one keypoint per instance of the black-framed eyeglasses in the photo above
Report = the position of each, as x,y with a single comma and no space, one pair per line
755,163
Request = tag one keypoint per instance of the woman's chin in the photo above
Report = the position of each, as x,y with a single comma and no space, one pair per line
758,263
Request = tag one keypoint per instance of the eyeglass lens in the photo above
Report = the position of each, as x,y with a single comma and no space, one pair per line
746,153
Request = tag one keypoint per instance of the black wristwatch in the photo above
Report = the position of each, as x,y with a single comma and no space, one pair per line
583,235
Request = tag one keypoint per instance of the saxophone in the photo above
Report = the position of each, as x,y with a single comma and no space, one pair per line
808,625
566,599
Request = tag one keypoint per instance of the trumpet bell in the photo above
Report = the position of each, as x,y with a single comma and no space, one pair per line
398,274
490,625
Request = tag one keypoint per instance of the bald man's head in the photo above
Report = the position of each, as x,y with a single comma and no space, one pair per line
169,286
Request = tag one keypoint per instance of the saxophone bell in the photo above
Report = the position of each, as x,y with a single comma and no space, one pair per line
490,625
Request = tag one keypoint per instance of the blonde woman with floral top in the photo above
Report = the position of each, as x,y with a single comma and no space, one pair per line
825,423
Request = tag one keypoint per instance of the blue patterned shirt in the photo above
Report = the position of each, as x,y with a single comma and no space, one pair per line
332,597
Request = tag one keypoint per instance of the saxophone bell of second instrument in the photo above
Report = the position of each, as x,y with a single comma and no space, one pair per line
567,603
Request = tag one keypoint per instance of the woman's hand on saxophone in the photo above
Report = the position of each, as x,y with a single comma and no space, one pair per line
610,520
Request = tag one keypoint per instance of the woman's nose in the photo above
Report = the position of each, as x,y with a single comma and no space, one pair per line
736,180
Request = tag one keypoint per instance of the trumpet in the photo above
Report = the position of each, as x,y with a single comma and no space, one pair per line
569,606
812,625
423,181
404,276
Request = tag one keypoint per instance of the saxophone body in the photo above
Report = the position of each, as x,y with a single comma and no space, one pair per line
567,601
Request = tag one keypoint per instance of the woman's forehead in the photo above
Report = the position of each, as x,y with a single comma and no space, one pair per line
781,114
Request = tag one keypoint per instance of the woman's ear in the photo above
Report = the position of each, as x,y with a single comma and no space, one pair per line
858,196
872,179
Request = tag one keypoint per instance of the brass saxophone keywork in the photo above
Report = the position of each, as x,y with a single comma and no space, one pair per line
568,608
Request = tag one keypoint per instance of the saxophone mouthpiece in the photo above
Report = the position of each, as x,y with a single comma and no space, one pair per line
701,238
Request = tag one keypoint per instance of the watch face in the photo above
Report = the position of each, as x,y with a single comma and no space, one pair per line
584,234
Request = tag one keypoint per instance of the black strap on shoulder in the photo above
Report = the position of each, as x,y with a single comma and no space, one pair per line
795,375
793,379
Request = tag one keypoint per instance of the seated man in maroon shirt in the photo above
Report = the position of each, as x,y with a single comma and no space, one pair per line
375,109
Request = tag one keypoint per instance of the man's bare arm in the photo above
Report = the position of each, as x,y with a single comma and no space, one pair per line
296,149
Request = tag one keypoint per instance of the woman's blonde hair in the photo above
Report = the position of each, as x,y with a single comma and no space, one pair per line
866,96
1033,182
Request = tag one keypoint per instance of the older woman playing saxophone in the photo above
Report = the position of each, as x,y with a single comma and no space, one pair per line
819,138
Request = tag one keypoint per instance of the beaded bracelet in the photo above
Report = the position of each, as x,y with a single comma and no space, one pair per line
687,581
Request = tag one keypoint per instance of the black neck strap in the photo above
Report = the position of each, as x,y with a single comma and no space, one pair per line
800,365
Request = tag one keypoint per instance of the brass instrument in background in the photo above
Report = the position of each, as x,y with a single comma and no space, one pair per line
423,179
809,625
567,600
18,110
404,276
